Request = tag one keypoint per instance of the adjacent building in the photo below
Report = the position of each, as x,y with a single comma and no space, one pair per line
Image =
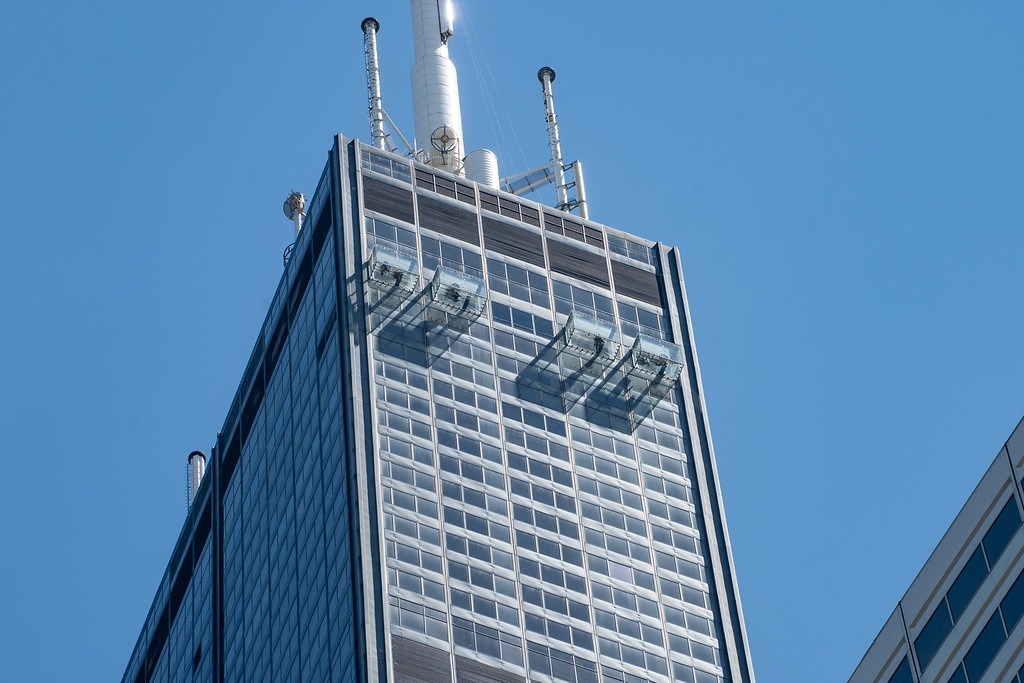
470,445
960,620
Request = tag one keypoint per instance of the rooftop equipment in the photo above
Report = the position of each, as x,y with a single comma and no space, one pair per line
555,171
295,210
482,166
437,112
196,470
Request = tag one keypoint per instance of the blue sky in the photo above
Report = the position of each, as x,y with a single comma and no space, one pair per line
844,180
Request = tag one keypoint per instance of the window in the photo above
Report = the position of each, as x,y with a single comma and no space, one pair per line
631,249
378,163
569,297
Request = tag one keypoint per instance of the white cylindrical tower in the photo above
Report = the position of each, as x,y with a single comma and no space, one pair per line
196,470
435,86
482,166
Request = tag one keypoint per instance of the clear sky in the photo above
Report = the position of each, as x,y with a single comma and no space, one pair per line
844,180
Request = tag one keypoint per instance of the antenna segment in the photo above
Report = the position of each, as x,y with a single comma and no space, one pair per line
553,172
546,75
435,86
581,190
377,135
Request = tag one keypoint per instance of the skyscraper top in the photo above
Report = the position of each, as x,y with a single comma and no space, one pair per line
470,445
439,140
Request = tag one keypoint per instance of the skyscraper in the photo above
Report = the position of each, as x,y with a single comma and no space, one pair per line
960,620
470,443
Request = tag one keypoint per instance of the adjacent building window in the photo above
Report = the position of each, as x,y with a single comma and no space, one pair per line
967,583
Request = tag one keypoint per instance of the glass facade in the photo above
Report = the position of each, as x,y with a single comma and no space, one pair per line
469,446
960,619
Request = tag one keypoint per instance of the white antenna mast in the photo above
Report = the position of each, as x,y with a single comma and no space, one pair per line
377,135
435,85
546,75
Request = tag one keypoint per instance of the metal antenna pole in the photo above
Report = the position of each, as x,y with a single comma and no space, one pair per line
547,76
295,210
378,138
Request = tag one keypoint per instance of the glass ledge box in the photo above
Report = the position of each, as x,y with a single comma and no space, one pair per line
590,337
654,360
458,294
393,273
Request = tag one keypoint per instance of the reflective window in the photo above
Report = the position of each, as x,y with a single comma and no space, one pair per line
517,282
967,583
385,165
985,648
1001,531
934,632
636,320
573,297
631,249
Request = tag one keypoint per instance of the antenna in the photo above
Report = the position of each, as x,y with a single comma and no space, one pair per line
196,470
295,210
377,135
435,86
581,190
546,76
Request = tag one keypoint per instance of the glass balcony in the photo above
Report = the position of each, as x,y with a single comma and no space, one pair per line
457,294
591,338
393,273
653,360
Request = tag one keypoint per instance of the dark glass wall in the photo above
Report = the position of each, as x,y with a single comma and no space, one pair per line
279,491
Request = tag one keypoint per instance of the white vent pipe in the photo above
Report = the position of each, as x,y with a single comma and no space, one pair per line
376,105
482,166
581,190
546,75
435,86
196,470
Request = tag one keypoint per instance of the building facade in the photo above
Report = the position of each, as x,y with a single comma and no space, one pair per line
959,622
470,445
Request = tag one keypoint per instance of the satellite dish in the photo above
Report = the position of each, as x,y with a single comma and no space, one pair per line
444,140
294,205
